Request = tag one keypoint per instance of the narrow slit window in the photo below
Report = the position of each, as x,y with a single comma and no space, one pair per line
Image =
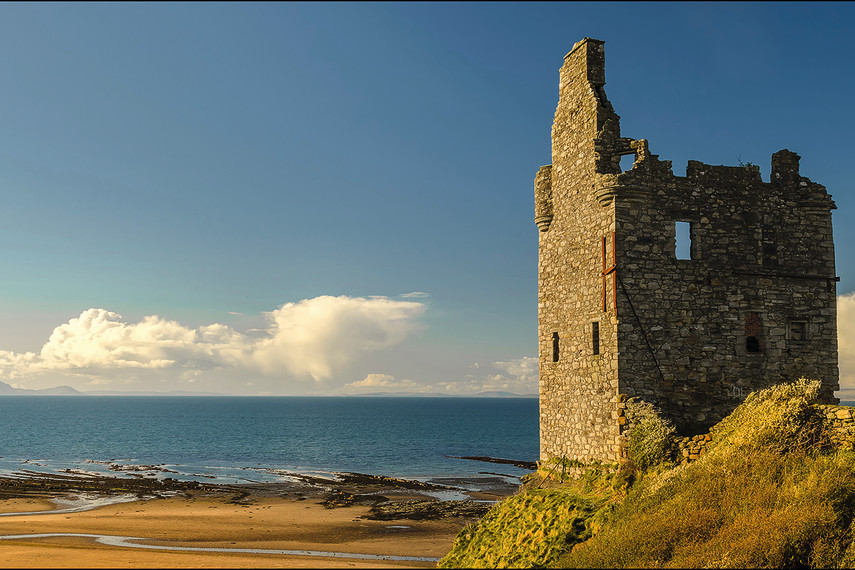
798,330
555,347
769,246
595,337
753,333
683,234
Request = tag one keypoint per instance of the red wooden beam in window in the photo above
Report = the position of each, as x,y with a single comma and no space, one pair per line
610,270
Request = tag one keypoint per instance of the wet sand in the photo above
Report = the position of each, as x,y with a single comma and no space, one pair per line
368,518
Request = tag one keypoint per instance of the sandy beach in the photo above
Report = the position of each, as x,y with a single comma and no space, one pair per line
360,524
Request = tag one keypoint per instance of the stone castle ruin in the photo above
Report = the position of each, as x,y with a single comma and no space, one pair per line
686,292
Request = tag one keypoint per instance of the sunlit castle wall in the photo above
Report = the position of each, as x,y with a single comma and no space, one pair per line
624,311
578,381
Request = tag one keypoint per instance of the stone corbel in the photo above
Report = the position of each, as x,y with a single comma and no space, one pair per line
607,193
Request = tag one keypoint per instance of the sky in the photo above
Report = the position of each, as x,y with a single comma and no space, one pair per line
325,198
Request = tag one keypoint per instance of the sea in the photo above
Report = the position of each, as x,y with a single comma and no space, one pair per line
269,439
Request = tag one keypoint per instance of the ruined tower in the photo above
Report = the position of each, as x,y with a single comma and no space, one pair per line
685,292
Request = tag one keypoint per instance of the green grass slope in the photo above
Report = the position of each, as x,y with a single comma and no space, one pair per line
770,493
523,531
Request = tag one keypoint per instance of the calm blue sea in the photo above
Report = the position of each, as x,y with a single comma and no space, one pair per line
263,439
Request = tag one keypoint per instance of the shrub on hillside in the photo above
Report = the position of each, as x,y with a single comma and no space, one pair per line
780,418
650,442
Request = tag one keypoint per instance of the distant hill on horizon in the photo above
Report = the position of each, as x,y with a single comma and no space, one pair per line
487,394
7,390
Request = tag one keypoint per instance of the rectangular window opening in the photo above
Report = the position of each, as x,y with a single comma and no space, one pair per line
798,330
753,333
683,234
595,336
555,347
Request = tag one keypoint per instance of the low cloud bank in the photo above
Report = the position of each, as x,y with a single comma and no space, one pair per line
846,345
384,381
518,376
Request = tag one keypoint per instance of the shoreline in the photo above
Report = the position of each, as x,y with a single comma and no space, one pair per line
36,483
357,520
463,479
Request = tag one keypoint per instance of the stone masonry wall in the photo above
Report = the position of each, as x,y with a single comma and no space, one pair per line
842,422
753,305
578,389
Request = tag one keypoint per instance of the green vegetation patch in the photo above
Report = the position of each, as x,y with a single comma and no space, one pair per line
756,510
523,531
780,418
770,494
587,478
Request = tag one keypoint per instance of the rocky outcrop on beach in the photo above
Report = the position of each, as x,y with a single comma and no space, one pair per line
32,483
432,509
390,498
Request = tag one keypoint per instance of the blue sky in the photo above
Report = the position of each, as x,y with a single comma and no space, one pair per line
334,198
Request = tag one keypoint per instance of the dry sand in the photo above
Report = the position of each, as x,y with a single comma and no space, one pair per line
216,522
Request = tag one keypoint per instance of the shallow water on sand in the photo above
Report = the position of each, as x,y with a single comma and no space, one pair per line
132,542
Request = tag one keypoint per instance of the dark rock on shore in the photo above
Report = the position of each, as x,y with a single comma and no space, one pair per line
50,485
336,499
344,479
530,465
427,510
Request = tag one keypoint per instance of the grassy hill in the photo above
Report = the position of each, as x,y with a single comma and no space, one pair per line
772,492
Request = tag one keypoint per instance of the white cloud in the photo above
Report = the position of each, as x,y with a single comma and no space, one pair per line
519,376
523,370
99,338
318,338
415,295
381,381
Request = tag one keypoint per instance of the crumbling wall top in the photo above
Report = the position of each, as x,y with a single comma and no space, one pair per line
595,59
